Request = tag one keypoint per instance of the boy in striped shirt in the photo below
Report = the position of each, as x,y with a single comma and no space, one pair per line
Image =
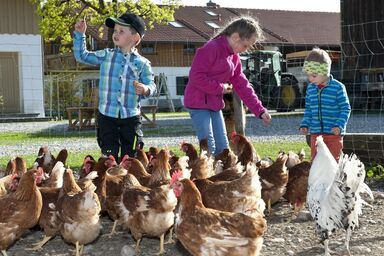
327,107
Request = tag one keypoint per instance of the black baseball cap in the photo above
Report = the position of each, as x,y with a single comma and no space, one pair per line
128,19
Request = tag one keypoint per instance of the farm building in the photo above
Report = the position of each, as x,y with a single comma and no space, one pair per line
21,59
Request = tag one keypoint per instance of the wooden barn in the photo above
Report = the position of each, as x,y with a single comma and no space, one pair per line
362,43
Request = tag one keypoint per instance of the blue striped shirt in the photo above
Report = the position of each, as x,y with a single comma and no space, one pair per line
326,108
118,71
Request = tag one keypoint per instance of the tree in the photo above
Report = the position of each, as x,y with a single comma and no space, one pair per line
58,17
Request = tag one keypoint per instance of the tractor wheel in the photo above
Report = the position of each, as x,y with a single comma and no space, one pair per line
286,97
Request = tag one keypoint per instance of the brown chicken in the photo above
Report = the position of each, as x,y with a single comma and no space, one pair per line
48,221
297,186
55,180
136,168
114,189
204,231
231,173
201,165
161,167
244,149
50,190
142,157
152,152
79,212
181,164
294,159
147,211
19,211
241,195
88,166
8,184
47,161
101,168
227,158
274,180
16,166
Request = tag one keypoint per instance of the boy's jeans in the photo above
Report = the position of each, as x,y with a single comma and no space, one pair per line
210,125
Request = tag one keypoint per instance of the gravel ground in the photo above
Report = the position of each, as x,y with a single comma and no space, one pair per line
285,235
284,126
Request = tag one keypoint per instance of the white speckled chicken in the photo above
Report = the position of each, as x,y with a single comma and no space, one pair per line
334,191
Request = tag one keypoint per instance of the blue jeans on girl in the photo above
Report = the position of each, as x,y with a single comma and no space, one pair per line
210,125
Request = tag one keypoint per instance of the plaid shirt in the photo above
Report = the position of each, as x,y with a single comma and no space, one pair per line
117,72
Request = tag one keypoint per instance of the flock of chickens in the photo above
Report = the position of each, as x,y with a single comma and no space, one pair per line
214,205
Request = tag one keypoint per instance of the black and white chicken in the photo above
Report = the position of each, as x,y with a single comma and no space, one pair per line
334,191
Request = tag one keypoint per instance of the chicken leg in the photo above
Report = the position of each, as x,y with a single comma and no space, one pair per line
170,238
137,248
347,239
39,245
79,249
4,252
161,252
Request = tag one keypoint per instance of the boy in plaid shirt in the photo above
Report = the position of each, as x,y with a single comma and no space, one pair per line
125,78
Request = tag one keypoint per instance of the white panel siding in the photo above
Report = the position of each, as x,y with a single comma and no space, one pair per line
171,73
29,48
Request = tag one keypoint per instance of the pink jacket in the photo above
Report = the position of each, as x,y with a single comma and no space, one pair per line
215,64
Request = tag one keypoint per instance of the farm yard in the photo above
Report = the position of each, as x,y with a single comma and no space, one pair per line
262,196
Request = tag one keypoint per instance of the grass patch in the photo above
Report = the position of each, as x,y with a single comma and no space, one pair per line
75,159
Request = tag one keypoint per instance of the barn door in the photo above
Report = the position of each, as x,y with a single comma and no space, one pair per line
9,83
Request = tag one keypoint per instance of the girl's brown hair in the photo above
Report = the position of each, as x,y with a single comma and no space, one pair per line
245,26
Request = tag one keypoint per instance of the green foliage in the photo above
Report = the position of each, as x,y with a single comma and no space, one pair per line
59,17
376,172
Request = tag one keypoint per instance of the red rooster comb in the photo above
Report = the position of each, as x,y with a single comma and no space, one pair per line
111,157
125,157
176,176
233,134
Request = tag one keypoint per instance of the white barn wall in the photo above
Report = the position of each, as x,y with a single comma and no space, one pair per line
171,73
29,49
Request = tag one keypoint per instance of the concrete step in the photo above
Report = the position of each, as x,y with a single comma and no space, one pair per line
21,117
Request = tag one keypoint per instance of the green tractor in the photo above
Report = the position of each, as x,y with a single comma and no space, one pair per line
275,87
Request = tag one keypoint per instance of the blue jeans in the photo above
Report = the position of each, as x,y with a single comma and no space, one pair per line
210,125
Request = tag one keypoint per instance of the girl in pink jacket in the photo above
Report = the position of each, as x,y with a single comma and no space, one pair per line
216,63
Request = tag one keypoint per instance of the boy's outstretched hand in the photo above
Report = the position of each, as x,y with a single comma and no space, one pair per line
81,26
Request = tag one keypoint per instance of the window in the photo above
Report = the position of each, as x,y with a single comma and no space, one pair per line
189,49
181,83
380,77
147,48
212,24
176,24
